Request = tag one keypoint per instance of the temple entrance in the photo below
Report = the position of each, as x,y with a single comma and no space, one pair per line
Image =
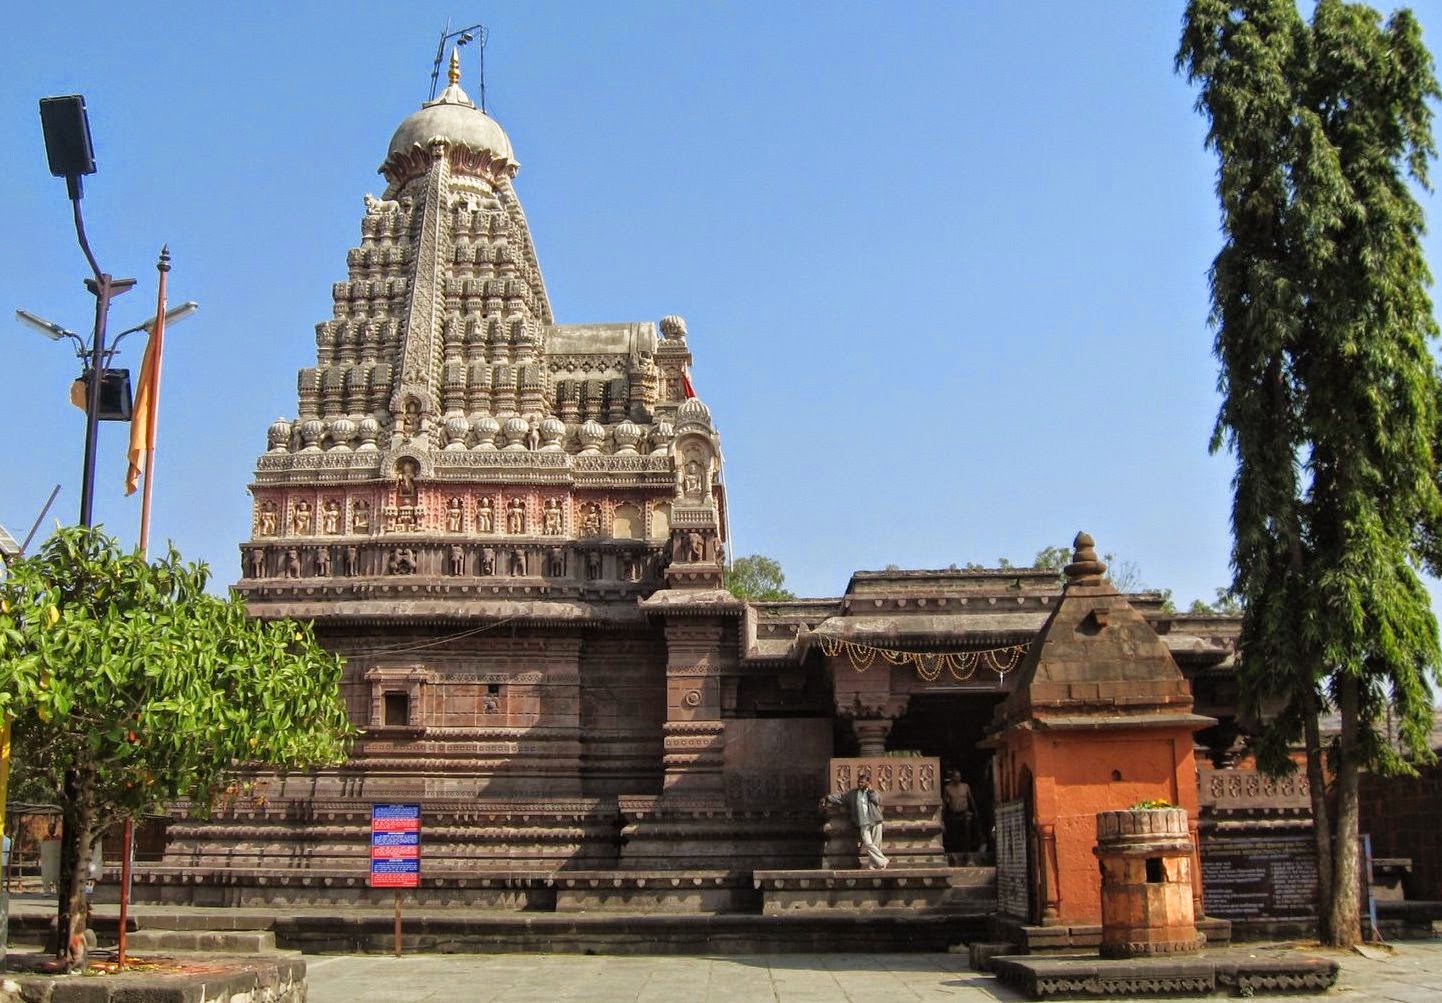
949,726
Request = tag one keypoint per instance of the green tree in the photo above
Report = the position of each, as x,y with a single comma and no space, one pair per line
757,577
129,686
1330,393
1226,604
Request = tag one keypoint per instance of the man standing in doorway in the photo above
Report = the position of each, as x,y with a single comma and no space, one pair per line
864,806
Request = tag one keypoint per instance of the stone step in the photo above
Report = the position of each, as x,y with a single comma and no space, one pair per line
216,941
882,931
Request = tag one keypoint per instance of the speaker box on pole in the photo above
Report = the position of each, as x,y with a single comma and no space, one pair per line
67,135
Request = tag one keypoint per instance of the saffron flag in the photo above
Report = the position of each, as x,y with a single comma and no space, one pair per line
143,415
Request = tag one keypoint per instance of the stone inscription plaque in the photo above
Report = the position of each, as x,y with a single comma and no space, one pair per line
1013,891
1260,877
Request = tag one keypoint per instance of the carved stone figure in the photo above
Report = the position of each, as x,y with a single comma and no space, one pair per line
458,560
533,436
330,516
593,565
591,519
518,562
352,561
403,561
377,207
257,562
633,568
695,546
691,479
292,563
720,552
411,418
267,518
551,519
455,515
485,517
516,516
490,704
322,562
488,561
360,517
556,563
300,521
406,472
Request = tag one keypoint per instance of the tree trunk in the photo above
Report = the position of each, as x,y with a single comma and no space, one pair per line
1321,830
1343,928
75,849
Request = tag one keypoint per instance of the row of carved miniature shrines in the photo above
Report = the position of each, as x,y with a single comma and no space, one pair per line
462,514
573,431
631,564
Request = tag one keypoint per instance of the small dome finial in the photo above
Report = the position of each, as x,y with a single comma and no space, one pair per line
1085,568
455,71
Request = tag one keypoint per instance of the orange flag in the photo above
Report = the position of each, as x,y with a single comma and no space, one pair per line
143,414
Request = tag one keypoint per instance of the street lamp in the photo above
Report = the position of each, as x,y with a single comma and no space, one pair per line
72,155
115,383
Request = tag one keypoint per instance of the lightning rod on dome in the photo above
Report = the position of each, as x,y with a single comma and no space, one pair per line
463,36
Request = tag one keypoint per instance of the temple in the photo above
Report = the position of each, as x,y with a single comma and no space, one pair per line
514,530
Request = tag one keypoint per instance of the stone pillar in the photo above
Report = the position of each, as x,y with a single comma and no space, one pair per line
694,734
1146,865
871,736
559,719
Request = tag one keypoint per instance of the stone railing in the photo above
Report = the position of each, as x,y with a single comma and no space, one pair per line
899,780
1250,790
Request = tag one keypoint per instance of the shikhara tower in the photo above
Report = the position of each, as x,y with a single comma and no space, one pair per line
452,440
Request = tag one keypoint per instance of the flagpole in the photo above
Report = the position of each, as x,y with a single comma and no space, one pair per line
151,418
157,344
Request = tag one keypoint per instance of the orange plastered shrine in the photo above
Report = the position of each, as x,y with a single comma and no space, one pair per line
1100,720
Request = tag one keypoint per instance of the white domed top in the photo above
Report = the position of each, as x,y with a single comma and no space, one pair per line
454,118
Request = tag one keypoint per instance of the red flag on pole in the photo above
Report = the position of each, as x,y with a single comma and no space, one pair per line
686,386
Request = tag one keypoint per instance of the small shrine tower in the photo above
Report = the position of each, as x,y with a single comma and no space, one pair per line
1101,719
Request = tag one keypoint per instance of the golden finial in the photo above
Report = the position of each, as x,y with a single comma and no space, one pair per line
455,72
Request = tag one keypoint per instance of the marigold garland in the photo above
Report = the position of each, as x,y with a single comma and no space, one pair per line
961,665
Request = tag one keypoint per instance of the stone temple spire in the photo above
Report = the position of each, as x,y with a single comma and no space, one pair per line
451,429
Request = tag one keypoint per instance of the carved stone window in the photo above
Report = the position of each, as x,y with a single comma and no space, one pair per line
397,710
397,696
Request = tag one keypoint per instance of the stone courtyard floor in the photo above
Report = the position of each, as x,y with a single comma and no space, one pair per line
1413,974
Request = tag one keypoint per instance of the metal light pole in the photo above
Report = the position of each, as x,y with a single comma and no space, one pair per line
71,156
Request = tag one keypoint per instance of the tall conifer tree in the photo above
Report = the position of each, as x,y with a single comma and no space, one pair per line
1330,392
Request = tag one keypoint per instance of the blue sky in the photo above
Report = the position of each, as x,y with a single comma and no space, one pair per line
944,264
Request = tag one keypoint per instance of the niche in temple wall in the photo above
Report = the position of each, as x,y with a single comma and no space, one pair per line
626,523
694,462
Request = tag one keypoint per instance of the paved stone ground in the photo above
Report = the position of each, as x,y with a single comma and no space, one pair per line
1412,975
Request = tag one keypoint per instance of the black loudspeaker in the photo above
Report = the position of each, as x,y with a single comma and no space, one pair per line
116,402
67,136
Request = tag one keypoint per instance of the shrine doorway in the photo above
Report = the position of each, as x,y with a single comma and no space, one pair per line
949,726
